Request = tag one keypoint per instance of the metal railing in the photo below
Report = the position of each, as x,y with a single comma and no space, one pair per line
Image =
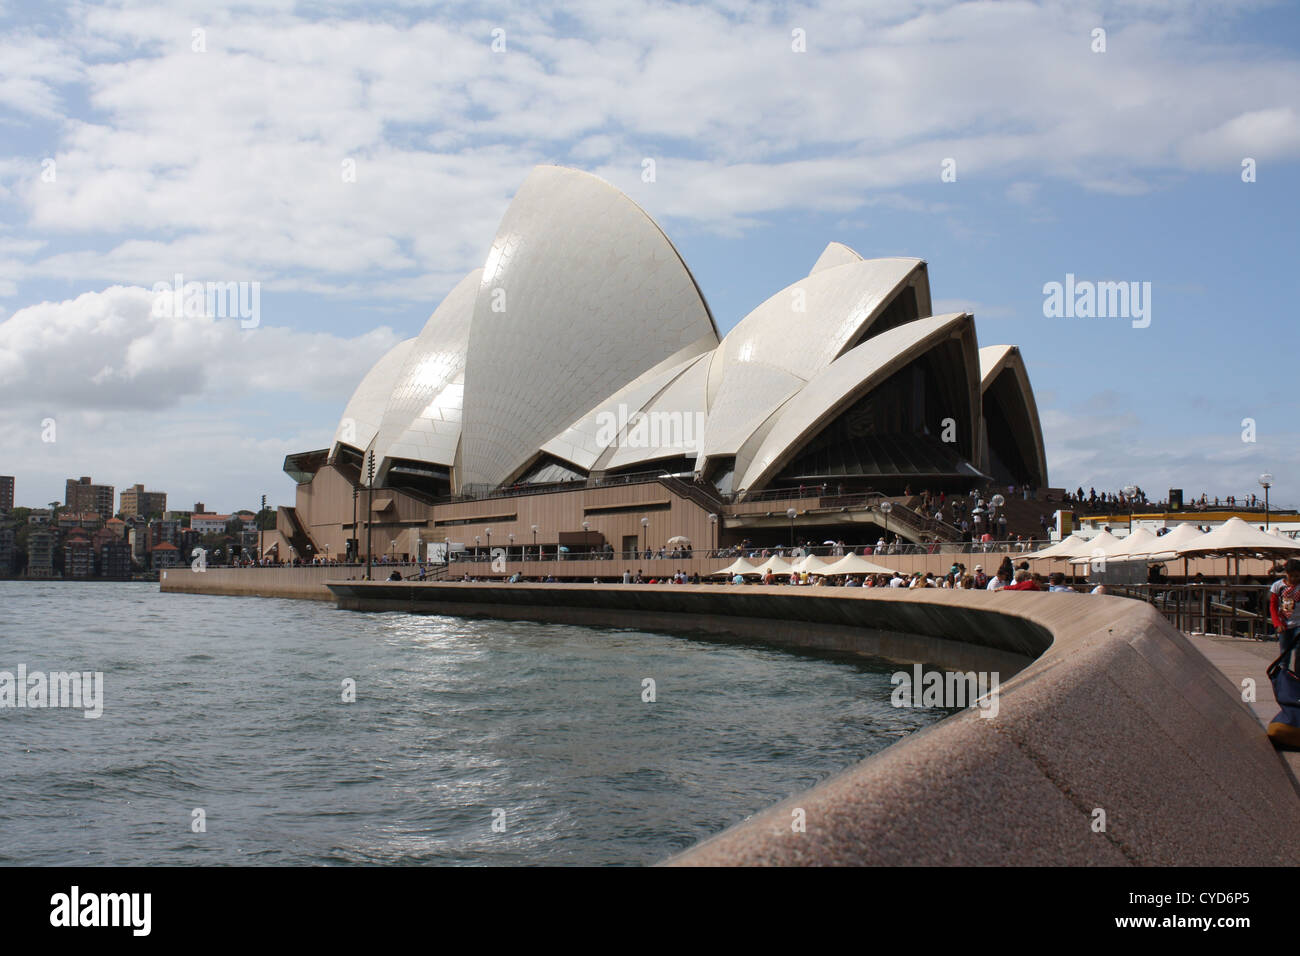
1236,610
488,492
902,548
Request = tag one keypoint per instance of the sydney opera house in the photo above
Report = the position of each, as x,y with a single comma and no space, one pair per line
574,395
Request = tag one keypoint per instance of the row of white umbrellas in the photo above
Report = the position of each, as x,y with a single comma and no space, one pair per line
1233,537
811,564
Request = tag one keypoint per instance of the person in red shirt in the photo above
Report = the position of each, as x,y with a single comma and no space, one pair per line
1284,601
1024,582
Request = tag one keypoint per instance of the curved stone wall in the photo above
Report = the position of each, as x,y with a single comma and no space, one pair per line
1118,744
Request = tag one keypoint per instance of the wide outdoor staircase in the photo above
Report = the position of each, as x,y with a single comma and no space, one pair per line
289,525
905,516
704,495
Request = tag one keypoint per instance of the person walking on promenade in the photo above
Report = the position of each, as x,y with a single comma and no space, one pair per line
1284,602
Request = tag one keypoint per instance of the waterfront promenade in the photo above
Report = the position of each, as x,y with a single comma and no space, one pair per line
308,582
1115,741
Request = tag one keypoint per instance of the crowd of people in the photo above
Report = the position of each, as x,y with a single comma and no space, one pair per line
1094,500
1006,577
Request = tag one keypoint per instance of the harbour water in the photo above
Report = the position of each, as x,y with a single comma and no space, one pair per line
225,737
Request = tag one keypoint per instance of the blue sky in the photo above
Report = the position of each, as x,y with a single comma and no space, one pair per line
223,164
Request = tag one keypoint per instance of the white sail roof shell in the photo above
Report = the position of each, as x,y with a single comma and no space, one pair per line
604,429
673,423
994,360
835,254
422,419
365,409
581,294
782,344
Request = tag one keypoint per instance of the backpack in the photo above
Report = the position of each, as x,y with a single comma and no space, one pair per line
1284,729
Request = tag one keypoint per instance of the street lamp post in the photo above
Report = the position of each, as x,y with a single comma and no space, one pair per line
885,508
1266,481
1129,492
261,531
488,532
370,506
392,552
713,527
536,554
645,535
446,554
477,555
997,501
511,538
790,513
586,541
354,548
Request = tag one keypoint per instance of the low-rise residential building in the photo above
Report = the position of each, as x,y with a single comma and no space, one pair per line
209,523
7,537
40,554
164,556
163,532
115,560
138,538
6,494
90,521
101,537
78,555
39,516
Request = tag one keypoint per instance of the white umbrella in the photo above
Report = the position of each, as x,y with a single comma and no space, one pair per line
775,565
679,539
1071,547
739,566
1136,545
1236,537
1098,549
855,564
811,564
1169,546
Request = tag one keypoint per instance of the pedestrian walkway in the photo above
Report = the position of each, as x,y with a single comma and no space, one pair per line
1238,659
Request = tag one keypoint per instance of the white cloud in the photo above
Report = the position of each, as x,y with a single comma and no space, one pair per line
1259,134
108,351
228,162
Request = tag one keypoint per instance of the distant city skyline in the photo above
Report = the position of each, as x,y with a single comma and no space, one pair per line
1010,145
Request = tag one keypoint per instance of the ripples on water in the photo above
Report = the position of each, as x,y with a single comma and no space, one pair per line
233,705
